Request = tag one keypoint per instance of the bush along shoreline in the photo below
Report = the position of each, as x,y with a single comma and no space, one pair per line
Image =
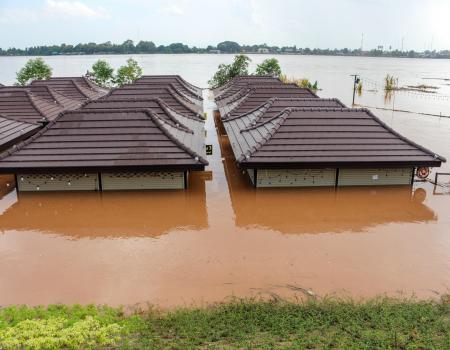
381,323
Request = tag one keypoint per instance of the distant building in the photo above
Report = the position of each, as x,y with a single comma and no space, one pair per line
263,50
214,51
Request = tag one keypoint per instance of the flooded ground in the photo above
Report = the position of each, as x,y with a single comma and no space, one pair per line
221,237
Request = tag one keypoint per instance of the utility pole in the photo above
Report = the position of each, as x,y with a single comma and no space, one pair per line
356,80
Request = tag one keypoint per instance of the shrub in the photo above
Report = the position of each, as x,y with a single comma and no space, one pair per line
269,66
226,72
34,69
129,73
102,73
57,333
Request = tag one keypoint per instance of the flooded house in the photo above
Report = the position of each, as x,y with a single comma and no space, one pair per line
284,138
107,149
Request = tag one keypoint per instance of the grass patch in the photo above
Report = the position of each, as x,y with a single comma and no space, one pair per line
240,324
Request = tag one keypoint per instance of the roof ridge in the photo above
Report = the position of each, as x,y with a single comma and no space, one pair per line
161,124
265,105
79,88
281,118
95,87
31,98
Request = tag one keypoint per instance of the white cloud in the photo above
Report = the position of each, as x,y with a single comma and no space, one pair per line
53,9
173,10
74,9
11,16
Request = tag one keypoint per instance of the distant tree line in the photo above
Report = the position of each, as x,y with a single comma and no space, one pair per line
144,47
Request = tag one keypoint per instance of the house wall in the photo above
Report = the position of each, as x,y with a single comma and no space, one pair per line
142,180
57,182
295,177
374,177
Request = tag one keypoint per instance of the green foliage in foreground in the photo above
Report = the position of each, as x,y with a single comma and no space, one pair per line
102,74
34,69
269,66
226,72
376,324
129,73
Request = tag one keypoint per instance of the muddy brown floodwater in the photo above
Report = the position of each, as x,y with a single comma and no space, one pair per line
222,238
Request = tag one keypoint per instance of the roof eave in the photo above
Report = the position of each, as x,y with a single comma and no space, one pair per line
248,164
97,169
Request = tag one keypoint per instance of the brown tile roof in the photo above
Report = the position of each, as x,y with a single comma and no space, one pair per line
169,95
276,105
252,97
20,104
238,88
241,80
78,88
13,131
52,96
323,137
157,106
192,92
106,140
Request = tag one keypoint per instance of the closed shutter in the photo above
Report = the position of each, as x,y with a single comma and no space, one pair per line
375,177
295,177
142,180
57,182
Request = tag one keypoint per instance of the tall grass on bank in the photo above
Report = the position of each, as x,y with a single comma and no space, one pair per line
240,324
302,82
390,83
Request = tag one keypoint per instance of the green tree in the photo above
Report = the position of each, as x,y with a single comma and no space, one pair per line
269,66
129,73
226,72
34,69
102,73
229,47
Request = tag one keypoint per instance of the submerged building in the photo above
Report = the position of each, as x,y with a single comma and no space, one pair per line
143,136
286,141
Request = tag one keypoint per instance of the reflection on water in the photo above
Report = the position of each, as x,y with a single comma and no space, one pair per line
320,210
110,214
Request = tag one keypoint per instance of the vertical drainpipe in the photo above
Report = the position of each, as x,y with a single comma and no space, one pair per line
185,178
337,178
255,177
100,185
16,183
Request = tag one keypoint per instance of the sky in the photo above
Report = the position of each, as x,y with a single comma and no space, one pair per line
420,24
